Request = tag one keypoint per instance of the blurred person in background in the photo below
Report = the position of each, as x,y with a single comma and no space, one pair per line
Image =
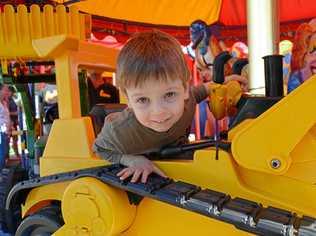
13,109
101,89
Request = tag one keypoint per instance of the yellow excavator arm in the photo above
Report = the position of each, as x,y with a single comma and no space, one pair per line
283,135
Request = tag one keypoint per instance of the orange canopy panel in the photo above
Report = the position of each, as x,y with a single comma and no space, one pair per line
159,12
183,12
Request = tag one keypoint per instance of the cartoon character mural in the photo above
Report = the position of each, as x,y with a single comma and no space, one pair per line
303,63
206,47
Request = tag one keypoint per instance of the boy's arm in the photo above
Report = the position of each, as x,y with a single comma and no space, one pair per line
106,153
137,166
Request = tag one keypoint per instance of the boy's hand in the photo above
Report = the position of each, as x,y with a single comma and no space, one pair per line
139,167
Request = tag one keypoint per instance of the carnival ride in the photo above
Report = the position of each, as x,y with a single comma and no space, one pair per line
260,180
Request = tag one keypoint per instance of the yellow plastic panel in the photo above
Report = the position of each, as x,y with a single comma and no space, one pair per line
69,147
56,165
43,193
18,29
53,46
90,207
275,133
224,175
281,192
70,138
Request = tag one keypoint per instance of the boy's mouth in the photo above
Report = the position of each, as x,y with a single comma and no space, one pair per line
161,121
313,69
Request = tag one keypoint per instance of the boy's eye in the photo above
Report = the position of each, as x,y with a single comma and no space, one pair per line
142,100
170,96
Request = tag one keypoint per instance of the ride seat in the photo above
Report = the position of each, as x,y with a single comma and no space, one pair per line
100,111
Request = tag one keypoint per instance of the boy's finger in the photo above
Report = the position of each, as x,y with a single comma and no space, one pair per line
159,172
126,174
145,176
136,176
122,172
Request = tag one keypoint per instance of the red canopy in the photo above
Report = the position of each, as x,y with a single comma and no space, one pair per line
230,26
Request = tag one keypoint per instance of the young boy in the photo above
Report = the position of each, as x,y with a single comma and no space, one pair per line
153,74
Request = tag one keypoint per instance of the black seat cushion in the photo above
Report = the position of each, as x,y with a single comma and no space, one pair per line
100,111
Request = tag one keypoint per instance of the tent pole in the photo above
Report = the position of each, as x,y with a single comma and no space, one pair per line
263,39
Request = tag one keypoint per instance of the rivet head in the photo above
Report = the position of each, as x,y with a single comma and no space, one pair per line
275,163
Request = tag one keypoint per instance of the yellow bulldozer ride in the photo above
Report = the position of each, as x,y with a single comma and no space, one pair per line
260,180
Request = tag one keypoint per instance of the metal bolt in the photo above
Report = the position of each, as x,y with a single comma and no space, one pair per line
275,163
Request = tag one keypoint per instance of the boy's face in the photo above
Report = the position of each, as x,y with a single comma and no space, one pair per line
158,105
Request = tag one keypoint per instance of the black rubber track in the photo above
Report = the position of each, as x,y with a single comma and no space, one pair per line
9,176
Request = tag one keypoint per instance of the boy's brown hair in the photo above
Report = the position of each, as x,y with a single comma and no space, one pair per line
151,55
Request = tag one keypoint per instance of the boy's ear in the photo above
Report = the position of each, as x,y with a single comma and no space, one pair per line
186,91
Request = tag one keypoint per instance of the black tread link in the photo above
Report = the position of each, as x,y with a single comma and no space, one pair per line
243,214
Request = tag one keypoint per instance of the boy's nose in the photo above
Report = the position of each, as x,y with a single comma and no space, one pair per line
158,110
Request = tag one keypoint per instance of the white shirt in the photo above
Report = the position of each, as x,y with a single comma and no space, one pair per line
4,118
